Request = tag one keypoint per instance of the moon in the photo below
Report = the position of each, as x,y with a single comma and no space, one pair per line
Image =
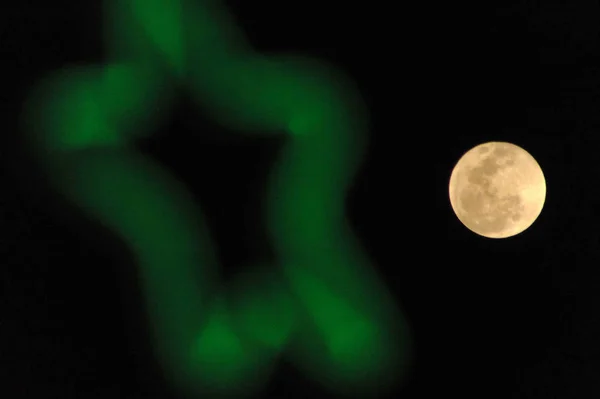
497,190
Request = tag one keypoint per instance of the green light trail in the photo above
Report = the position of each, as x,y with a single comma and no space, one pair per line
323,307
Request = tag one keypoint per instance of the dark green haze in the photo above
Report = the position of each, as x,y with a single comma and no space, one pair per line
323,308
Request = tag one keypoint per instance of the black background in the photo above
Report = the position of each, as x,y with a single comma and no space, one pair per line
513,318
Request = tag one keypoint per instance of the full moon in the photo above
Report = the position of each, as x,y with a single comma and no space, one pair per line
497,190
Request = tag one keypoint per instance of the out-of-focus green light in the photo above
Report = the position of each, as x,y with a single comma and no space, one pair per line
324,307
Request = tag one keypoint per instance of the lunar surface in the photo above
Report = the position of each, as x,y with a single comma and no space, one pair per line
497,190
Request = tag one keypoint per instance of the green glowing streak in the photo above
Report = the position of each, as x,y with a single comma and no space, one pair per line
82,121
162,22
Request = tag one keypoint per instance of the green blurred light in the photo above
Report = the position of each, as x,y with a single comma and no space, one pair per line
325,307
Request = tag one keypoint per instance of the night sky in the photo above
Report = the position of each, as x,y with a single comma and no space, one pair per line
513,318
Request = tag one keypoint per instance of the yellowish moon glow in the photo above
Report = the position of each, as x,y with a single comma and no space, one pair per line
497,190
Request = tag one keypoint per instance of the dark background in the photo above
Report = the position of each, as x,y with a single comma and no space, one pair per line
514,318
